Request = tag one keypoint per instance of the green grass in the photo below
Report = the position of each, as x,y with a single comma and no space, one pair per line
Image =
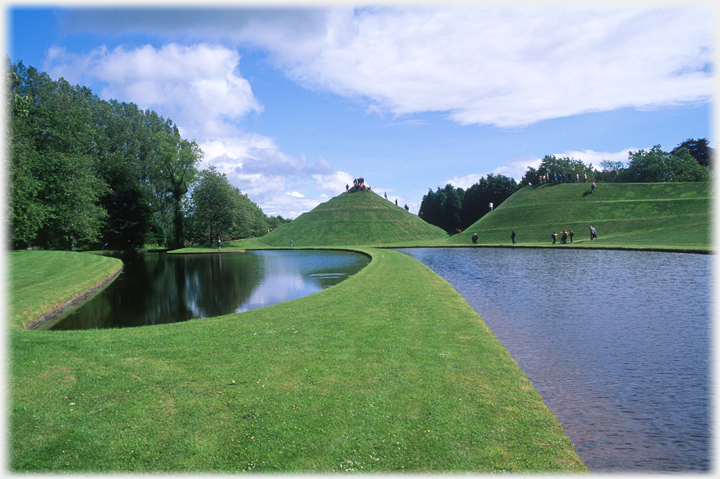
354,218
390,370
649,215
40,281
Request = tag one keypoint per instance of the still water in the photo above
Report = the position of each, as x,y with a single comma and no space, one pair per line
157,288
617,343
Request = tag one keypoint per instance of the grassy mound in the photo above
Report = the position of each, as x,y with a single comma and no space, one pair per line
637,215
354,218
376,374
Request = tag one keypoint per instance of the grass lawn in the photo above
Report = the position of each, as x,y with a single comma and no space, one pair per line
390,370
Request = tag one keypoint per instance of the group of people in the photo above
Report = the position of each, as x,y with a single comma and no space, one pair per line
561,178
569,234
358,184
564,237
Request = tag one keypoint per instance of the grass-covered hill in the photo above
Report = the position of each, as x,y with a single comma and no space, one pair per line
354,218
651,215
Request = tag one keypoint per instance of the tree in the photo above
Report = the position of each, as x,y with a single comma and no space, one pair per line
699,150
56,185
443,208
174,174
682,166
492,189
214,204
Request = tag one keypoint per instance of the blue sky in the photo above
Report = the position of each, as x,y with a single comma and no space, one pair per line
292,104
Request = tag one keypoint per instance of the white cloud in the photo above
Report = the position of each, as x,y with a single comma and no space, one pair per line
596,157
503,66
197,86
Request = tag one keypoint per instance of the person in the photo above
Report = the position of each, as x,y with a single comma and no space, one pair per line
585,174
513,236
563,240
554,237
474,238
592,233
218,243
592,187
386,195
407,208
291,243
396,202
347,187
571,234
491,207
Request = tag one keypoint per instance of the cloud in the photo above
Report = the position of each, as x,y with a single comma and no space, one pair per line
502,66
596,157
507,67
197,86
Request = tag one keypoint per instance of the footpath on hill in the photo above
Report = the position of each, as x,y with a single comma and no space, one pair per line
390,370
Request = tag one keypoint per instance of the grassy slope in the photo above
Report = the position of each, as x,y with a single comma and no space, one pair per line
390,370
658,215
354,218
41,281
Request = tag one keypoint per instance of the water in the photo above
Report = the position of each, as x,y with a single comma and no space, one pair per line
617,343
157,288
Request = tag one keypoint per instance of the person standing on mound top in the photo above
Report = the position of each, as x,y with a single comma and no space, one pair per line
513,236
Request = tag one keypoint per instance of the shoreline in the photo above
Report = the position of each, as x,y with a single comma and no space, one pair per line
48,319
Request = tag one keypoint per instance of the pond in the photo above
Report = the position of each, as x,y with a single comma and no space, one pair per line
158,288
617,343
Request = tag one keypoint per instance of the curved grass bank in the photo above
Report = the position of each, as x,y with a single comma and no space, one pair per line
390,370
40,282
662,216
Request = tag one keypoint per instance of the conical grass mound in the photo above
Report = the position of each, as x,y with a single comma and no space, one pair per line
636,215
354,218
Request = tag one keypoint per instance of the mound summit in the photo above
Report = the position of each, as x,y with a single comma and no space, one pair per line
354,218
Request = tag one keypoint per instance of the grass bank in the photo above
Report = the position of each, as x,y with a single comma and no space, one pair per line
42,281
390,370
672,216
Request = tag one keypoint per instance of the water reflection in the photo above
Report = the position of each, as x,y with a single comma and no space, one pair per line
156,288
616,343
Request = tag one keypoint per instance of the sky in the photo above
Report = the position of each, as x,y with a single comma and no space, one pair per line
293,102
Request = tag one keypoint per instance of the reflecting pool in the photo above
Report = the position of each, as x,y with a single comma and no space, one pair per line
617,343
158,288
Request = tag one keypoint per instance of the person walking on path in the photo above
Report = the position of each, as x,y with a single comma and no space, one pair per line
474,238
513,236
571,234
554,236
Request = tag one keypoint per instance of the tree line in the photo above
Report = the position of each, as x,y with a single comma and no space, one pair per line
86,172
691,160
454,209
